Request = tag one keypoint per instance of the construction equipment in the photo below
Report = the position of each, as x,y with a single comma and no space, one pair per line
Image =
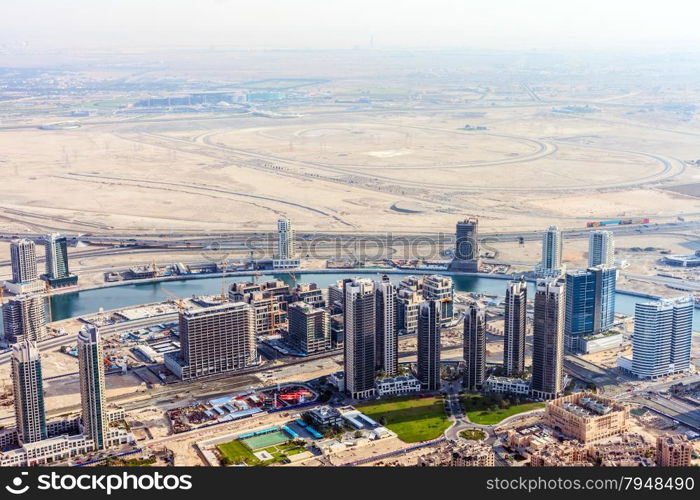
178,301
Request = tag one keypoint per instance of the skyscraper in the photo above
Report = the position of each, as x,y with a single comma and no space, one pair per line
309,328
387,334
214,338
550,265
429,345
92,386
28,387
662,337
408,304
359,314
57,271
23,259
24,317
590,304
515,328
56,256
467,246
548,338
285,242
440,288
601,248
474,346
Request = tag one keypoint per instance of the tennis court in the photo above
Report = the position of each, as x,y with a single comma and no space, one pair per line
266,440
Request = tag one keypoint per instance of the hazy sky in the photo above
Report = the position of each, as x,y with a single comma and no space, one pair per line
346,24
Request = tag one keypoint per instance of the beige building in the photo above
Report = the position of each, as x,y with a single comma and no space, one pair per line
459,455
569,454
673,451
586,417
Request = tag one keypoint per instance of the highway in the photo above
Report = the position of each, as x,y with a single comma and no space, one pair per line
267,241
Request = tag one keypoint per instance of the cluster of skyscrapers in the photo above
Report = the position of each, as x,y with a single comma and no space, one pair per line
24,314
35,440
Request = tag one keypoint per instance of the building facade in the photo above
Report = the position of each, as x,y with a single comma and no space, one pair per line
429,345
214,339
441,289
57,270
92,385
548,338
590,304
24,318
27,383
515,328
23,260
309,328
474,346
359,314
673,451
662,339
387,330
601,248
466,251
285,239
551,263
587,417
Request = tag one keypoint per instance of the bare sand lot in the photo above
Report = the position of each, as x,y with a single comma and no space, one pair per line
343,170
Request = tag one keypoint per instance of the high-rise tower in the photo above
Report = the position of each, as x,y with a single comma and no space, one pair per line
662,337
387,338
601,248
359,314
28,387
24,317
548,338
551,265
429,345
92,385
474,346
515,328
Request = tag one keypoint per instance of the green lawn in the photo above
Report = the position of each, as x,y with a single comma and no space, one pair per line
486,417
412,419
473,434
238,452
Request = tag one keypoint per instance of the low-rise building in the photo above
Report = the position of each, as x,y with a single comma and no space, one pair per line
325,417
567,454
586,417
507,385
673,451
459,455
394,386
600,342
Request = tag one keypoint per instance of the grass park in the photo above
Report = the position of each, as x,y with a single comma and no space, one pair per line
473,434
413,419
489,410
237,452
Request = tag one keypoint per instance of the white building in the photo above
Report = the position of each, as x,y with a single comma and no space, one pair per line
92,385
507,385
25,276
662,337
395,386
551,265
601,248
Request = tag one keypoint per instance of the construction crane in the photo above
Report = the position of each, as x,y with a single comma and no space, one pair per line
179,302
